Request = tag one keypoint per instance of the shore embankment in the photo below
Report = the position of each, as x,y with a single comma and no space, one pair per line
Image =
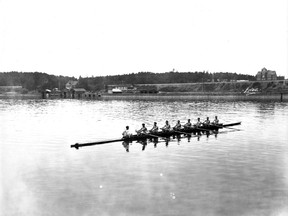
173,96
276,90
268,87
230,91
20,96
170,96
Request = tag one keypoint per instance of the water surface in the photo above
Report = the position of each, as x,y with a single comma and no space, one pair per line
237,172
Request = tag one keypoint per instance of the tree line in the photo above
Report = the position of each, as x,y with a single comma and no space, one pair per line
41,81
99,83
33,80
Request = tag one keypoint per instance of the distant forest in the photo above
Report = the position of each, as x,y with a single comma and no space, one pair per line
33,80
98,83
40,81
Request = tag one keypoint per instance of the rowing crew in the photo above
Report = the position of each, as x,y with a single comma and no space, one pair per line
167,127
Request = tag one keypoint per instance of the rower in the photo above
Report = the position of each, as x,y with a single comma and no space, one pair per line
207,121
198,123
188,124
177,126
216,121
126,133
142,130
154,128
166,127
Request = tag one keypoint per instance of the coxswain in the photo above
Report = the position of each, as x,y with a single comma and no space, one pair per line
207,121
216,121
198,123
142,130
177,126
188,124
126,133
166,127
154,128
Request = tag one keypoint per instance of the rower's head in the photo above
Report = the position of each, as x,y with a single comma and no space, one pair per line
178,121
188,120
155,123
198,119
216,117
207,118
143,125
167,122
127,127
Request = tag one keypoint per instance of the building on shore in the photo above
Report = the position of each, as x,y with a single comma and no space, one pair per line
132,89
73,93
116,89
78,92
71,84
266,75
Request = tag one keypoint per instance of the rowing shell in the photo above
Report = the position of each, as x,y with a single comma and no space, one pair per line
160,134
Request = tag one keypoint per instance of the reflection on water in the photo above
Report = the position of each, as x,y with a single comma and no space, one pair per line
174,139
126,145
239,171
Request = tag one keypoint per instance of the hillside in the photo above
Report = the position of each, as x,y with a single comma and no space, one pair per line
251,87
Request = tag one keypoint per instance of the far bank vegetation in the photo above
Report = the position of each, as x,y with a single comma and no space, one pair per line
184,82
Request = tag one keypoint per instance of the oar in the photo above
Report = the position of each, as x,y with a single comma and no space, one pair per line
228,126
203,129
152,135
232,124
77,145
182,132
232,128
228,131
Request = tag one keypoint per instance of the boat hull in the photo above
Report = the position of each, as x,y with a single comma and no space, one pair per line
191,130
162,134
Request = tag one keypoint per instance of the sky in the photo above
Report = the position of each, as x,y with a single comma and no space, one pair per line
108,37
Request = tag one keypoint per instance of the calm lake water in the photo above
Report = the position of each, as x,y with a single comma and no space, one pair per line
237,172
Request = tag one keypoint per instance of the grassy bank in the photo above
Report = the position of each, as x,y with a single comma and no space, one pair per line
263,87
230,91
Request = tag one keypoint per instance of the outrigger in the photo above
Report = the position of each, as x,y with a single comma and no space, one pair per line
161,134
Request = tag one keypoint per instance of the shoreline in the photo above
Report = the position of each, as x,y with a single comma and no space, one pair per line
276,97
20,96
229,97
